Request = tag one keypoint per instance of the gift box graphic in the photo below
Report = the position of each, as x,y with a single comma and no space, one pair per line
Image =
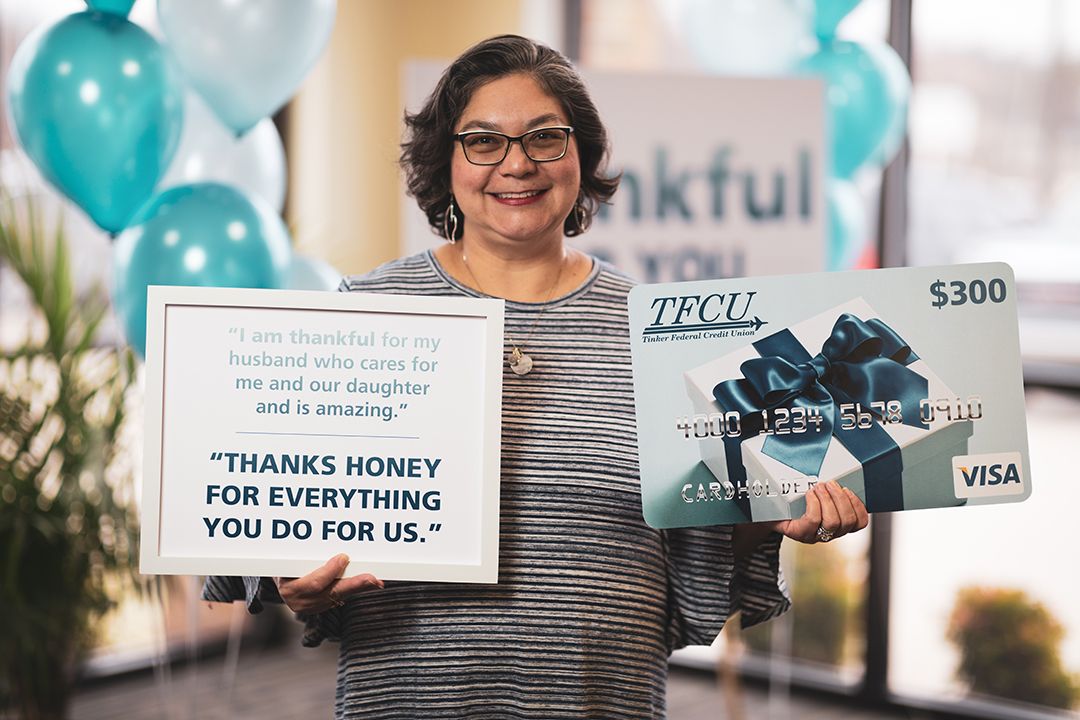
833,372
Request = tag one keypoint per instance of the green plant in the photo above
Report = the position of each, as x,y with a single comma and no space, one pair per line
1009,647
67,523
824,609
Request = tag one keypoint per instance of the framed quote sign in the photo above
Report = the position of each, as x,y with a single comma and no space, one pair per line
284,427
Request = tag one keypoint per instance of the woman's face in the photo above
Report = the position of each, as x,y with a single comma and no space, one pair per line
518,200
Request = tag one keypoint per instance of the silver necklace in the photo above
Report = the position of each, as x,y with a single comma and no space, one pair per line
519,362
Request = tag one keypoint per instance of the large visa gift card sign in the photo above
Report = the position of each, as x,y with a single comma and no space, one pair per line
904,385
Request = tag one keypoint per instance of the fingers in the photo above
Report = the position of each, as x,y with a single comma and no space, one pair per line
324,588
852,511
297,591
812,519
813,508
862,517
320,579
836,509
830,516
357,583
844,509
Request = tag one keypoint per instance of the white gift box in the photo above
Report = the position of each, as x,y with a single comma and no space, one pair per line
775,490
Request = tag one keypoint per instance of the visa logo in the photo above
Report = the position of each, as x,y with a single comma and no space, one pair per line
988,475
996,474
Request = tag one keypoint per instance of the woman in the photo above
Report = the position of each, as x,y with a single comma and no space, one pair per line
506,159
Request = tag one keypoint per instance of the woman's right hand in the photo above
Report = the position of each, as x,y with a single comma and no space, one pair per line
324,588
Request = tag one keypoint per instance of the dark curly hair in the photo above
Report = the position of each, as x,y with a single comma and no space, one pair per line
428,147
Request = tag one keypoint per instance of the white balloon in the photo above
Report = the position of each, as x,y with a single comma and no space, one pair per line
307,273
246,57
21,181
748,37
210,152
91,251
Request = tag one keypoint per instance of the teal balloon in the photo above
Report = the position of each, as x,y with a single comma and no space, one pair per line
115,7
867,90
204,234
98,107
847,225
828,14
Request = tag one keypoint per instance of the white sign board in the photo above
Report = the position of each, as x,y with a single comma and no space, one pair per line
721,176
285,427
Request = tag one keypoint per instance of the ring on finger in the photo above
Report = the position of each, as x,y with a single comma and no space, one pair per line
338,602
824,534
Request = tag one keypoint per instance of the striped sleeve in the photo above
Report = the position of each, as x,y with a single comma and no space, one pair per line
252,590
760,590
706,585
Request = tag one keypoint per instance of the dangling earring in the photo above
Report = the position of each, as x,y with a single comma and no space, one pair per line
581,217
450,223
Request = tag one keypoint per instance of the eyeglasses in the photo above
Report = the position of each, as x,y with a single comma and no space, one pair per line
487,147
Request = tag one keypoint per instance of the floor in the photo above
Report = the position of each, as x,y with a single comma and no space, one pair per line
294,682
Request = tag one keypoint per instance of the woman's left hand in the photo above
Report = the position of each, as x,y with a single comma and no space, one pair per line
831,512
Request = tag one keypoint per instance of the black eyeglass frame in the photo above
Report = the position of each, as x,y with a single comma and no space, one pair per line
510,140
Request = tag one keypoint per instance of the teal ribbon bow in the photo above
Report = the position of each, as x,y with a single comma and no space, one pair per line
862,362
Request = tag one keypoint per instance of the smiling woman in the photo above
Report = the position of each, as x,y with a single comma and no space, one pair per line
512,196
563,101
506,158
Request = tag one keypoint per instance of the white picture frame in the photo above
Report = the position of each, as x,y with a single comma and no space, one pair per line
415,437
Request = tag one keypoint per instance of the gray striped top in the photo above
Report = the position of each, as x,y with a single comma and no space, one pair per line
590,600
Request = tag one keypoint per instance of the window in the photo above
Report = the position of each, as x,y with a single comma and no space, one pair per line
994,176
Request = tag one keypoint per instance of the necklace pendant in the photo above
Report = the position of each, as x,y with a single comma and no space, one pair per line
519,362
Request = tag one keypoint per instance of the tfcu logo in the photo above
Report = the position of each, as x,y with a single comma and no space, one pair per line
718,315
988,475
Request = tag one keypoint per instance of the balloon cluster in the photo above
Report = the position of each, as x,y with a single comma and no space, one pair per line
867,88
169,148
